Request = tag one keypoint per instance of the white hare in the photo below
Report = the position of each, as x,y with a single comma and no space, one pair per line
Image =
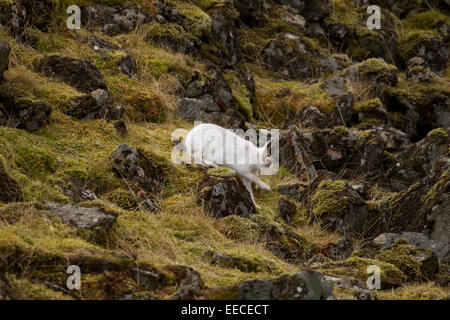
210,145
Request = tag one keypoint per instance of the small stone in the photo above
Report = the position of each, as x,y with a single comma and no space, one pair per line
335,87
100,95
128,66
121,127
82,217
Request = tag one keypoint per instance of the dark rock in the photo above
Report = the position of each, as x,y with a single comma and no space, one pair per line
168,13
85,107
206,110
132,164
304,285
292,191
432,49
342,114
127,65
76,191
423,207
418,160
98,44
294,156
424,109
188,280
121,127
80,74
311,117
286,209
328,66
251,12
195,89
82,217
222,193
112,20
289,56
115,113
348,151
5,50
19,14
24,115
148,279
341,249
10,190
221,92
339,207
316,10
338,32
418,70
224,31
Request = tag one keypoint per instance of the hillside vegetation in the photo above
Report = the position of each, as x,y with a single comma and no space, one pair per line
86,123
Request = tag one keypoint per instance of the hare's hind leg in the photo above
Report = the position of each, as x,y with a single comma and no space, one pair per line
248,184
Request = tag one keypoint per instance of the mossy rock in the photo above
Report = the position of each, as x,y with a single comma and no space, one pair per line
356,267
282,240
240,93
327,199
416,264
169,35
221,172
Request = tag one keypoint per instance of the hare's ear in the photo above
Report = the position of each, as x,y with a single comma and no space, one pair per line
266,148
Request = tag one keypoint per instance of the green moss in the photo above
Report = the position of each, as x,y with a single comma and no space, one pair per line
408,42
35,161
23,289
357,267
426,20
416,291
206,4
170,35
327,199
197,21
375,66
401,256
150,105
369,106
359,49
438,133
238,228
244,262
435,192
221,172
122,198
275,101
239,92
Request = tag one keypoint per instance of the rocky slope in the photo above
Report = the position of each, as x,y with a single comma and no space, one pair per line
86,177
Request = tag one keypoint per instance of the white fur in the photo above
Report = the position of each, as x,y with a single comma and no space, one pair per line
212,146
